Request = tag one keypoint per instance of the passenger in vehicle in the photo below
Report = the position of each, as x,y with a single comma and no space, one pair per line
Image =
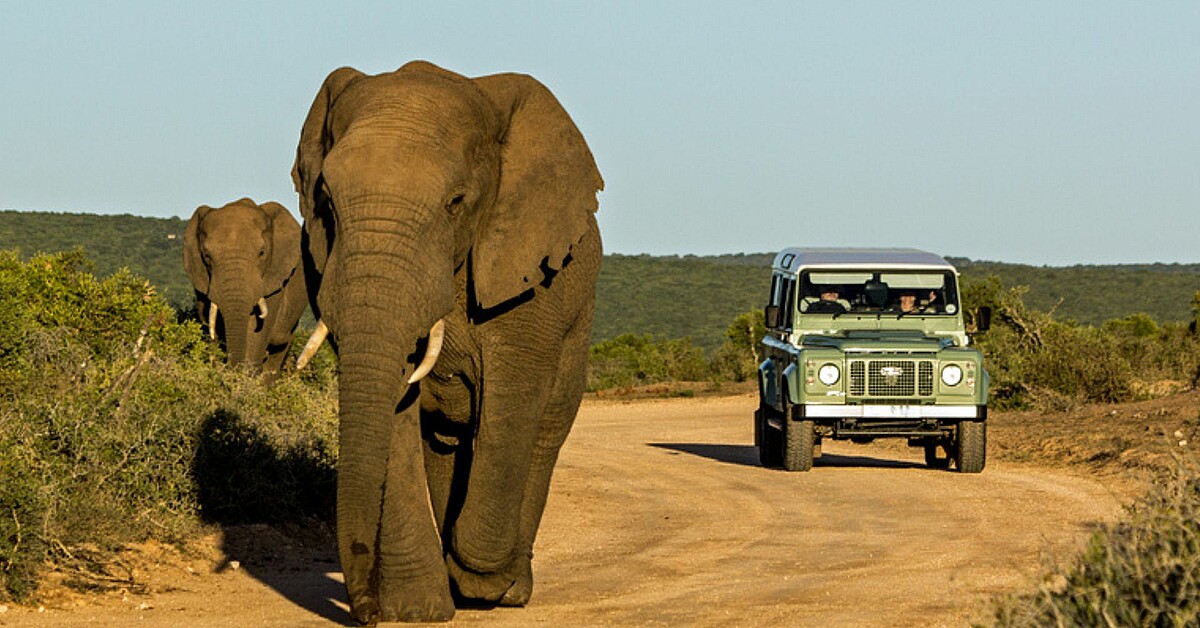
931,305
908,302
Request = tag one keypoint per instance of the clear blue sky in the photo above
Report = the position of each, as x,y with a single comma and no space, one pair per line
1036,132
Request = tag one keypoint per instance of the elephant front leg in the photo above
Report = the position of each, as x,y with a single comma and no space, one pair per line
552,432
485,559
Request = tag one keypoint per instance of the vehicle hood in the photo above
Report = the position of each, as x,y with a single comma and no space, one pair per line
873,341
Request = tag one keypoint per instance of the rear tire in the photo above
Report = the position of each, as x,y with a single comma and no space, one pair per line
770,445
798,446
970,447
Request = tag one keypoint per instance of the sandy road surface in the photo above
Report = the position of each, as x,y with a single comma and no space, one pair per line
660,515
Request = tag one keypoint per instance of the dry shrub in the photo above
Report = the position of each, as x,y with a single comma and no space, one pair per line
1141,571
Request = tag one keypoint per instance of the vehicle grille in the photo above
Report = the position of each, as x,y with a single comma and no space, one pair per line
891,378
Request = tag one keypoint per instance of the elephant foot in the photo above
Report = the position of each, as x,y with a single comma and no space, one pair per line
364,609
403,603
522,589
476,586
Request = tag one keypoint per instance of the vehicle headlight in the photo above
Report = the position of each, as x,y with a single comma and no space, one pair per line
952,375
829,374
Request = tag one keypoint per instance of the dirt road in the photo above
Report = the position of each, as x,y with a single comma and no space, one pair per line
660,515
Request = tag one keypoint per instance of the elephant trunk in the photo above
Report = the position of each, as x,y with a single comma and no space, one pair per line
245,338
387,283
384,519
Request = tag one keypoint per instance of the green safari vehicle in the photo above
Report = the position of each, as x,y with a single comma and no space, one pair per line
864,344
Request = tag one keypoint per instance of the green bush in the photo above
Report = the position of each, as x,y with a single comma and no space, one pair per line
116,424
632,360
637,360
1036,360
737,359
1142,571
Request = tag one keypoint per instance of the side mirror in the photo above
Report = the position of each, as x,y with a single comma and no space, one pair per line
771,316
983,319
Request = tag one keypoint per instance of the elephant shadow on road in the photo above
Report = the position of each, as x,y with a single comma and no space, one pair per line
275,506
747,455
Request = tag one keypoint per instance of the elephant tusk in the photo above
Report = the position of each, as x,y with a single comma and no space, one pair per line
212,320
314,343
437,334
262,307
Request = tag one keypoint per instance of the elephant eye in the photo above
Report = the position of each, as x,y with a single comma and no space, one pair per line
455,203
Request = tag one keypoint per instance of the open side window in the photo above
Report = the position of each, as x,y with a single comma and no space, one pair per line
783,302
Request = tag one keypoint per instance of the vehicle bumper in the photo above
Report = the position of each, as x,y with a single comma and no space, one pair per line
815,411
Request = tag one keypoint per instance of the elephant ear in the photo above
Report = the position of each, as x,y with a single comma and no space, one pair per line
315,142
285,247
193,260
547,192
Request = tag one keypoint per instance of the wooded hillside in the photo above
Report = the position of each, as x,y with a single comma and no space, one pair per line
150,247
667,296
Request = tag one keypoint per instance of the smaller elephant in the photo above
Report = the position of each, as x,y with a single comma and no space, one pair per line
244,263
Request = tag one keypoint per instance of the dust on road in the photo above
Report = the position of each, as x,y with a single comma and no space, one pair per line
660,515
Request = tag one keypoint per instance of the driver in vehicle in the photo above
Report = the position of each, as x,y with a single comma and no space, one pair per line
829,301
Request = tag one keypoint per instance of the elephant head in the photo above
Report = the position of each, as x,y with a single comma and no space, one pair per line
424,193
241,257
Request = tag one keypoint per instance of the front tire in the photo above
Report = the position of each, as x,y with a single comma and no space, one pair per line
798,445
970,447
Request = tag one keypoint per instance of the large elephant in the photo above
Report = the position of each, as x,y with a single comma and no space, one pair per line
442,212
244,263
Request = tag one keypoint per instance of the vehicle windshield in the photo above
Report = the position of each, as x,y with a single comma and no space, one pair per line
900,292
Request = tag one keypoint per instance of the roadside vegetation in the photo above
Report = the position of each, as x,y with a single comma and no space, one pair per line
1039,360
632,360
1141,571
119,424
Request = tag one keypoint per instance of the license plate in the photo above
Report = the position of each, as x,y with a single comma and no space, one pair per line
892,412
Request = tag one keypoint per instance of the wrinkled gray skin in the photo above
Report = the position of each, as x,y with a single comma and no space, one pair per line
427,195
236,255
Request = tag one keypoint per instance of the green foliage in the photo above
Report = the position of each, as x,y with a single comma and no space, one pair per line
1092,295
115,417
637,360
1194,323
631,360
676,297
150,247
1138,325
737,360
1141,571
667,297
55,295
696,297
1037,360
